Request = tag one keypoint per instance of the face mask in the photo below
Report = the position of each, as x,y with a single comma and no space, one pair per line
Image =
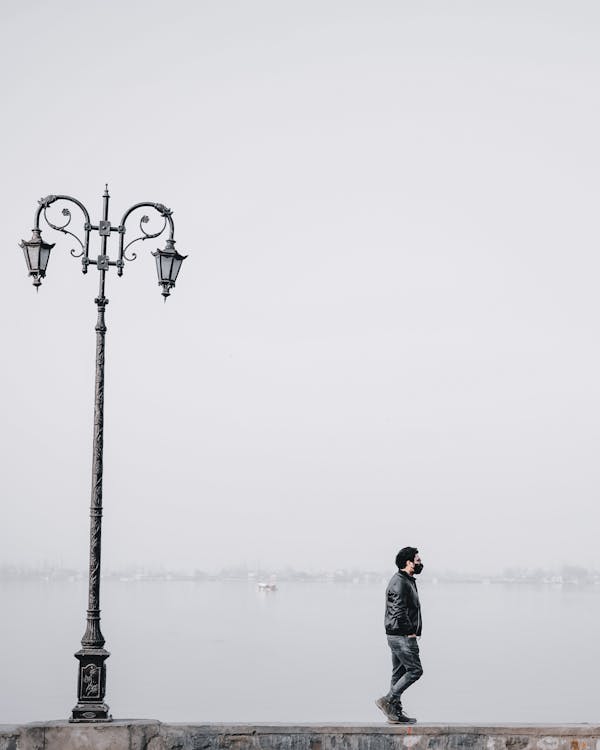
418,568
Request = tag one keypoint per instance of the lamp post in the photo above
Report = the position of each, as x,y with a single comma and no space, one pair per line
91,683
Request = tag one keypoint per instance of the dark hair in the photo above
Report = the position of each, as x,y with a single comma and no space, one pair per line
405,554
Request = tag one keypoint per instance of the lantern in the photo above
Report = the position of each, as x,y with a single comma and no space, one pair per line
37,254
168,263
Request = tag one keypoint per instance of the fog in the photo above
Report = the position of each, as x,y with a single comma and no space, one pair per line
386,329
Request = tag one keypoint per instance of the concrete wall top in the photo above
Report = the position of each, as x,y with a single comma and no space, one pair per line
154,735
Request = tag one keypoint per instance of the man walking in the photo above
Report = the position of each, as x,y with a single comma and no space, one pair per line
402,626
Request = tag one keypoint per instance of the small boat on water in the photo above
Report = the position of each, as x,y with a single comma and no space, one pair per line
267,586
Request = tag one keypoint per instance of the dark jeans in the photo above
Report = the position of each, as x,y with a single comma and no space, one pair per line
406,664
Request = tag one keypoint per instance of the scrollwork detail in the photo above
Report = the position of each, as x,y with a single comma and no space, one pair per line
146,235
62,227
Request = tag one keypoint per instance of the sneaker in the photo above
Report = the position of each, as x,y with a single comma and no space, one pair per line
385,705
401,718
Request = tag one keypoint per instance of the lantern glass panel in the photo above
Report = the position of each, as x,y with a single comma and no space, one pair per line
168,267
167,264
177,261
44,256
33,257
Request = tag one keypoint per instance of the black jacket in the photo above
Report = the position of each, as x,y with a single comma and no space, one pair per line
402,608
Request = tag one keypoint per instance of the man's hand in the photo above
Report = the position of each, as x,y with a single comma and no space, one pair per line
412,636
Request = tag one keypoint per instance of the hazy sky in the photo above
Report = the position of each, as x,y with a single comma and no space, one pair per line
387,329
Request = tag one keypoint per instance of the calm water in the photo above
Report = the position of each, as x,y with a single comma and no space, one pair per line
309,652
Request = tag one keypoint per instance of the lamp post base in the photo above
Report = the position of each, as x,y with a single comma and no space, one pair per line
91,686
90,712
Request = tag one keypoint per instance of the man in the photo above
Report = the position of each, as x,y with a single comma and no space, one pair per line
402,626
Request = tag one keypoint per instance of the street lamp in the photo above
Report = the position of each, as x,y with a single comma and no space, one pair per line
91,683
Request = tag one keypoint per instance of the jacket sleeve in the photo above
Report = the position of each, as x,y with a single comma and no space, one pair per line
398,608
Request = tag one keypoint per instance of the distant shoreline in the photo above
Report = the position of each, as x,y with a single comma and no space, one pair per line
579,577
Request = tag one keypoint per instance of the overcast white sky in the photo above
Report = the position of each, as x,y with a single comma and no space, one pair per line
387,329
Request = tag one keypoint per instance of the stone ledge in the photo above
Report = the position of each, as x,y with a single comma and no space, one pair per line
537,730
154,735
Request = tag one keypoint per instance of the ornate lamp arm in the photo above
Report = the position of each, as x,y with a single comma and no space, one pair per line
165,212
44,203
